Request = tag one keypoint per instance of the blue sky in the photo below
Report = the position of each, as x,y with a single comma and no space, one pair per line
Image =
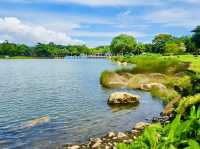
94,22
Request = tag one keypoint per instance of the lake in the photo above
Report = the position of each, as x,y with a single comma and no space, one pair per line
69,93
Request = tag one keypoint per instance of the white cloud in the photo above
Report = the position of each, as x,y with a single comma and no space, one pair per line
16,30
124,14
175,17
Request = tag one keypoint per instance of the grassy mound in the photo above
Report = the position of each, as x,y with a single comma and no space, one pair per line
105,78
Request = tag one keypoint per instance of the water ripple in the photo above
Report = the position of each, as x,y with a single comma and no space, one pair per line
67,91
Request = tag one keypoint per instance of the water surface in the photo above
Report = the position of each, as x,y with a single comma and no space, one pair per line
67,91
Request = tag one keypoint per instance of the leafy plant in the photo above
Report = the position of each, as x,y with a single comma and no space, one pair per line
182,132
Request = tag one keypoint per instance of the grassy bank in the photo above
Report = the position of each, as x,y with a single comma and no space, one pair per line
167,77
180,76
182,132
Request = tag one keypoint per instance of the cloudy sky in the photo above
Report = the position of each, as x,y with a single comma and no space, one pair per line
94,22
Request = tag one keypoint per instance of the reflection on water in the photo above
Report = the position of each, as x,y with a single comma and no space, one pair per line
117,108
68,92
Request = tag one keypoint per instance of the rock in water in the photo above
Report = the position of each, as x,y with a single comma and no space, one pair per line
123,98
36,121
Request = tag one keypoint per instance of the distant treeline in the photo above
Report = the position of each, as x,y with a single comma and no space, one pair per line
165,44
48,50
123,44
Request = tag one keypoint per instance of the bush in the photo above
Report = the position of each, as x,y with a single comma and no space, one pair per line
195,80
187,102
182,84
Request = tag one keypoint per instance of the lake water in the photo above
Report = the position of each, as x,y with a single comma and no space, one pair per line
69,93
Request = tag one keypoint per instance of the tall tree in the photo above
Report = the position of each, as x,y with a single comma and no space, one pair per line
196,39
174,47
159,42
123,44
189,44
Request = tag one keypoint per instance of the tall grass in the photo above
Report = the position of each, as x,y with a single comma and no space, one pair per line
154,63
105,78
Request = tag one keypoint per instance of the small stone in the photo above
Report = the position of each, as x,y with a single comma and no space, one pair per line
141,125
97,144
121,135
74,147
98,140
107,147
111,134
134,131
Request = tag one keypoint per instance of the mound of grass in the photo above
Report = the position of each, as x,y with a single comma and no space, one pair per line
105,78
165,94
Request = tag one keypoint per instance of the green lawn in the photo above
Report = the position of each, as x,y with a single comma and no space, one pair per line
195,60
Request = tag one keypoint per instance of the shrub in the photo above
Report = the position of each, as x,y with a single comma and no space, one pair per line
182,84
187,102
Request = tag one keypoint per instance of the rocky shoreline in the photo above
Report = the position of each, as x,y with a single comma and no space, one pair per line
110,140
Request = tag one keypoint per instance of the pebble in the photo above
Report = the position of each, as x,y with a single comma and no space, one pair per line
111,139
141,125
97,144
111,134
74,147
121,135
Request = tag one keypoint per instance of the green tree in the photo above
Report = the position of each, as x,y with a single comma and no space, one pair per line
196,39
102,49
189,44
42,50
9,49
174,47
23,50
148,47
123,44
159,42
140,48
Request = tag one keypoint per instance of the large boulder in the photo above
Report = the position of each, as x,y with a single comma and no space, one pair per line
123,98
